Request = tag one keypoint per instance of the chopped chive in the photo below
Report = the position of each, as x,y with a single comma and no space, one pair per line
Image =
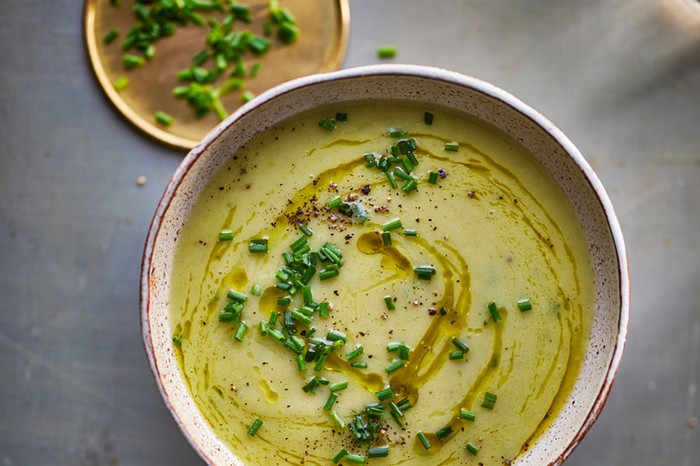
236,296
395,365
296,315
397,133
334,335
378,452
385,394
340,116
410,185
355,353
467,415
424,441
489,400
428,118
254,427
262,328
301,363
359,365
273,319
524,305
444,432
163,118
288,32
401,173
341,454
404,353
494,312
225,235
452,146
276,334
328,273
110,36
330,402
240,332
121,83
305,230
355,459
424,272
129,61
226,316
327,123
471,448
324,309
284,301
460,345
298,243
257,245
457,355
255,290
394,345
338,421
334,202
392,180
389,301
386,51
247,96
432,177
392,225
386,238
395,409
177,340
410,233
338,386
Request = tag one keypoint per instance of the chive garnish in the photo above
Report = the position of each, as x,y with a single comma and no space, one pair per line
121,83
129,61
524,305
225,235
410,185
397,133
432,177
467,415
334,202
386,51
378,452
296,315
444,432
331,400
395,365
424,272
355,459
327,123
456,355
471,448
342,453
257,245
305,230
489,400
392,180
338,421
255,427
394,345
424,441
298,243
301,363
255,290
163,118
240,332
340,116
359,365
452,146
262,327
494,312
324,309
226,316
385,394
338,386
237,296
357,352
284,301
327,273
386,238
110,36
389,301
428,118
392,225
460,345
410,233
334,335
246,97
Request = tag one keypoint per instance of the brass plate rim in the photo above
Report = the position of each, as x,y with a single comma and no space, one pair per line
145,125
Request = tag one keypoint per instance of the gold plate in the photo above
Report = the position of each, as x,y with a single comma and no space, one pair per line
321,47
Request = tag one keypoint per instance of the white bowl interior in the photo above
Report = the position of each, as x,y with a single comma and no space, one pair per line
417,84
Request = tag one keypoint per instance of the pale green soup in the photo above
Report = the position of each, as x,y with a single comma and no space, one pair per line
493,226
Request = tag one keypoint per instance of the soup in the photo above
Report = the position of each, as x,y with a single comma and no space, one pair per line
382,283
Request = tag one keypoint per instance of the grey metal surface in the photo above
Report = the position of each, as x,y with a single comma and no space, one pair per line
619,77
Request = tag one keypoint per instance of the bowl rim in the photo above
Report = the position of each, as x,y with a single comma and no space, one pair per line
413,71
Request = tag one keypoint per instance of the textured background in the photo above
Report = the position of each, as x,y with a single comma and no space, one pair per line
620,77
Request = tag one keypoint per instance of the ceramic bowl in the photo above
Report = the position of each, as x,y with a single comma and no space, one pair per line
421,85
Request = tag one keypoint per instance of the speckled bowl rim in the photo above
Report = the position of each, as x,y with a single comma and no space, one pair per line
415,71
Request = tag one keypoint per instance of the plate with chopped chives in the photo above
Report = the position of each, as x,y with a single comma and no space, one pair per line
176,68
